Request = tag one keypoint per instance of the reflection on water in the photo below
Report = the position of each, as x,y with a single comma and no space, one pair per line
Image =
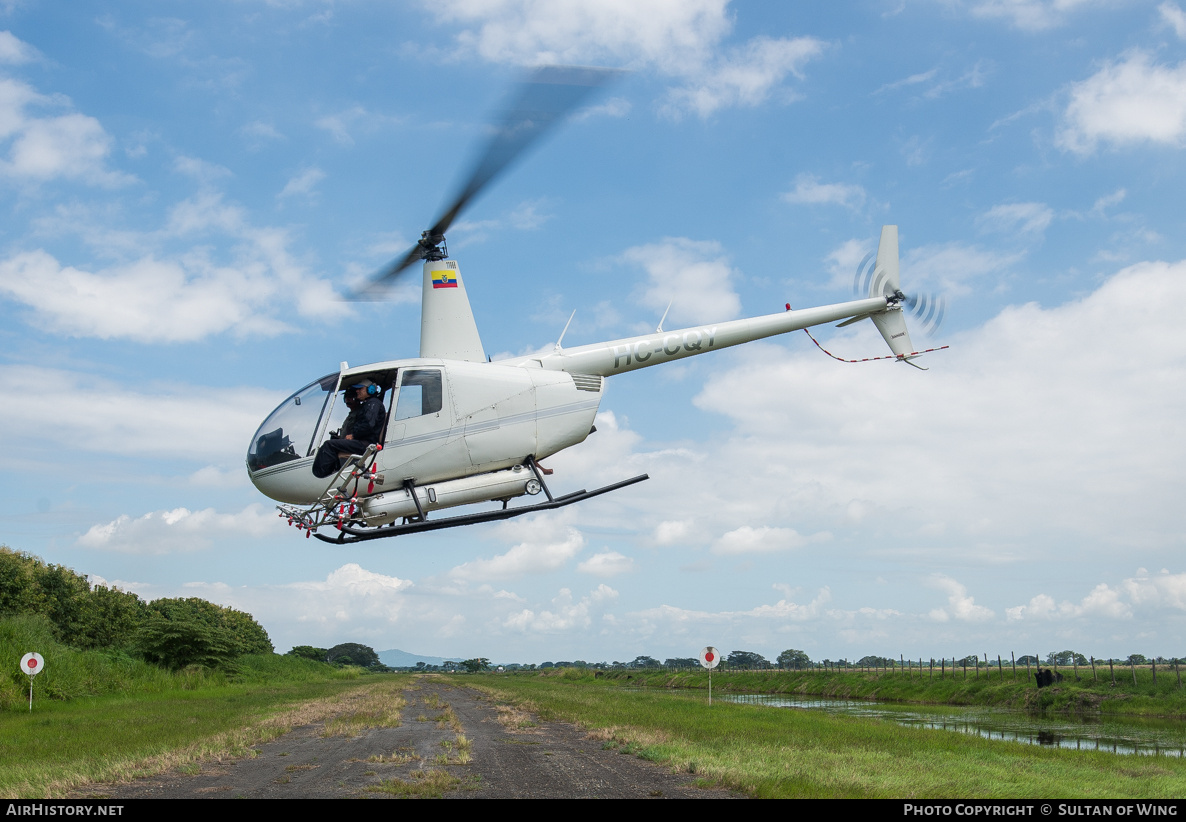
1149,737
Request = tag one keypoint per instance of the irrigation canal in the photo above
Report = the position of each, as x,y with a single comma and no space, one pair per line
1129,735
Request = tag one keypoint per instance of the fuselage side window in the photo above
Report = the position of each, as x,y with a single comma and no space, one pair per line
420,393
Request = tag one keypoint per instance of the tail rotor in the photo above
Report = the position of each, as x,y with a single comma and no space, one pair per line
880,280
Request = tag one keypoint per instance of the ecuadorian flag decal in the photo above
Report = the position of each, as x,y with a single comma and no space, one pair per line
444,278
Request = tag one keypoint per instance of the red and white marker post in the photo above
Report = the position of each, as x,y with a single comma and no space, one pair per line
710,657
32,665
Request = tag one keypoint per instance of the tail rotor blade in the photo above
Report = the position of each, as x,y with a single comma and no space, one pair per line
864,274
928,309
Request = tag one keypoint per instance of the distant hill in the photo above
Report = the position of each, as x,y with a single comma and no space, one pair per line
396,658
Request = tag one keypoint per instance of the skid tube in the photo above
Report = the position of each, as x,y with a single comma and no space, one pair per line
351,534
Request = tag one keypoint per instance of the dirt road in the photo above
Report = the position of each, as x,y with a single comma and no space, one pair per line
451,742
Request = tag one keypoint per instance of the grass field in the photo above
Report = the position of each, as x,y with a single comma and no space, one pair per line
782,753
62,745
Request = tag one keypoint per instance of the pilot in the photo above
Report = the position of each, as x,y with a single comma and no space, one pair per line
363,427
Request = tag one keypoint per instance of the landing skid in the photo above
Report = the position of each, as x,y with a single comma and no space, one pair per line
351,533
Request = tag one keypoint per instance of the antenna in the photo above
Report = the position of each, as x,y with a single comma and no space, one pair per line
565,331
659,327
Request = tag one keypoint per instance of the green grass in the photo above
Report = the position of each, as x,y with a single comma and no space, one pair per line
1163,698
785,753
63,745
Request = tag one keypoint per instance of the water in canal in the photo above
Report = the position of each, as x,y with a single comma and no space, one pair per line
1149,737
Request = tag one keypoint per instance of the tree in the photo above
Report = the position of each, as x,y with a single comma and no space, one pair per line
308,652
184,640
644,662
110,618
792,658
746,660
1066,658
351,653
244,634
682,662
477,664
885,662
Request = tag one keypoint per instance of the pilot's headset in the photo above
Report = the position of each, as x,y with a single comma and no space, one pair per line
372,389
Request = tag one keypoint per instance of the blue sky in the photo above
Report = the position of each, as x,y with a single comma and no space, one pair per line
186,188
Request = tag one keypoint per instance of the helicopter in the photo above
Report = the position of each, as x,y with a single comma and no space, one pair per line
459,429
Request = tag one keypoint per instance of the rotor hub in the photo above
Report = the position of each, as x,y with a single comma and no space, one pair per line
433,245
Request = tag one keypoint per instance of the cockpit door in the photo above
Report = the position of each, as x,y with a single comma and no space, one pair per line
420,433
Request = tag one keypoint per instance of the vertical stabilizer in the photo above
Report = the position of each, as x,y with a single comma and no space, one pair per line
447,327
884,283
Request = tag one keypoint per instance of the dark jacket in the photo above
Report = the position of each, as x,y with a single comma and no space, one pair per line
368,424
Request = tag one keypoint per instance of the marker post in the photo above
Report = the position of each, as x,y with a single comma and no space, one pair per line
32,664
710,658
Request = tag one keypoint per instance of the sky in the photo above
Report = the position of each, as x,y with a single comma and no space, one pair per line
187,188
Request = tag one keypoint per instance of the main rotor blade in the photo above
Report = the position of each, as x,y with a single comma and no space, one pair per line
540,102
544,99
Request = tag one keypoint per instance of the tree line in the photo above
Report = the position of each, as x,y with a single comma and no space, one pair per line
794,659
171,632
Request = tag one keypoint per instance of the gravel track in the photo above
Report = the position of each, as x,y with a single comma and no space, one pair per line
510,755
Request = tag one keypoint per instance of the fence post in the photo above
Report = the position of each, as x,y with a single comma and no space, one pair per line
1112,670
1013,656
1093,669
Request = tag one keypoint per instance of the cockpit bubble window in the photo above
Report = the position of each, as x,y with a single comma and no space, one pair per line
287,434
420,393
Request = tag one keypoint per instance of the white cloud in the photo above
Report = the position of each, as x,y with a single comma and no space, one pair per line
681,39
565,615
167,532
1157,595
354,122
259,132
1028,15
669,621
954,268
745,77
302,184
606,564
1017,218
180,297
163,421
14,51
960,606
763,540
1174,17
951,268
351,604
694,277
1107,201
809,190
1034,387
1126,102
68,146
547,545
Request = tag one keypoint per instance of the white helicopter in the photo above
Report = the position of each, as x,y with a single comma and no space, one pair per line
462,430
